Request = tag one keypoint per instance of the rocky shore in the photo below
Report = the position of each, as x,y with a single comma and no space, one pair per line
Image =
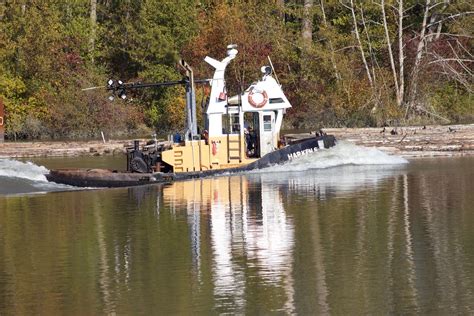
410,142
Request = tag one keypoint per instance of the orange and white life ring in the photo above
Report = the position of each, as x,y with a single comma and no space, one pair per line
257,102
1,120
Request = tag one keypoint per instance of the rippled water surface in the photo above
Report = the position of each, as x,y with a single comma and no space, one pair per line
333,233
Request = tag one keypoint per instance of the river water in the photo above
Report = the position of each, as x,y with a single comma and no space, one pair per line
345,231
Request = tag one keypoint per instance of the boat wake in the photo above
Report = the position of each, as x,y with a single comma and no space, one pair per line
17,177
358,167
342,154
24,170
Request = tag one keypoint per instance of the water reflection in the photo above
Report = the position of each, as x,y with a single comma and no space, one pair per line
251,230
253,227
247,220
351,240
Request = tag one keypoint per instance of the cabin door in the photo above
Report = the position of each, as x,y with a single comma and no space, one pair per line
267,131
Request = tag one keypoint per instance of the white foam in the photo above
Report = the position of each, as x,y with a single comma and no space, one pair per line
24,170
342,154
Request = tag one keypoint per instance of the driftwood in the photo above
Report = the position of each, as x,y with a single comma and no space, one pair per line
412,141
62,148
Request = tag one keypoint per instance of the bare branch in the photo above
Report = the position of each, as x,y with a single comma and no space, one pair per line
451,17
464,48
458,59
419,55
401,57
369,42
390,53
422,109
307,27
448,34
448,70
436,4
459,77
450,59
346,47
361,48
408,9
331,47
344,5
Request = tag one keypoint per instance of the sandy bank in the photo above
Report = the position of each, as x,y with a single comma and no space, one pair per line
415,141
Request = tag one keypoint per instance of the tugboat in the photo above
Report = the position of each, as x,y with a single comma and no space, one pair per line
241,133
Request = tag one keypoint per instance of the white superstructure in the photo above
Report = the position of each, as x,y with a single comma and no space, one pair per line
264,101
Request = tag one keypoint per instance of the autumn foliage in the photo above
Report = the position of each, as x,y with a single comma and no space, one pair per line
338,61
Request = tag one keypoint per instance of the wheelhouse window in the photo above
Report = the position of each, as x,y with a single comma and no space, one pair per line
230,123
267,123
276,100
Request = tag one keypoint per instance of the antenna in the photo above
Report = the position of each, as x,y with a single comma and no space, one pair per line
273,70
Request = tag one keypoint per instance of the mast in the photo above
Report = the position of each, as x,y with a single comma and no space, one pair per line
191,117
218,98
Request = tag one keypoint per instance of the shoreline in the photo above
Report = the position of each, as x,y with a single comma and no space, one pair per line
412,141
408,142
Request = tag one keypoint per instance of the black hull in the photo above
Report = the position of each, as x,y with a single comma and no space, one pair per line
109,178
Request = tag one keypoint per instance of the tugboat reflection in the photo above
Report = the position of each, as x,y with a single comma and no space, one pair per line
248,230
261,237
242,230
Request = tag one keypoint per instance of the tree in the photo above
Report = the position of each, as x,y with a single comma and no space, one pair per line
341,62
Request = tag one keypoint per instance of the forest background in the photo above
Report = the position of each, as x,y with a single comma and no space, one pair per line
340,62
